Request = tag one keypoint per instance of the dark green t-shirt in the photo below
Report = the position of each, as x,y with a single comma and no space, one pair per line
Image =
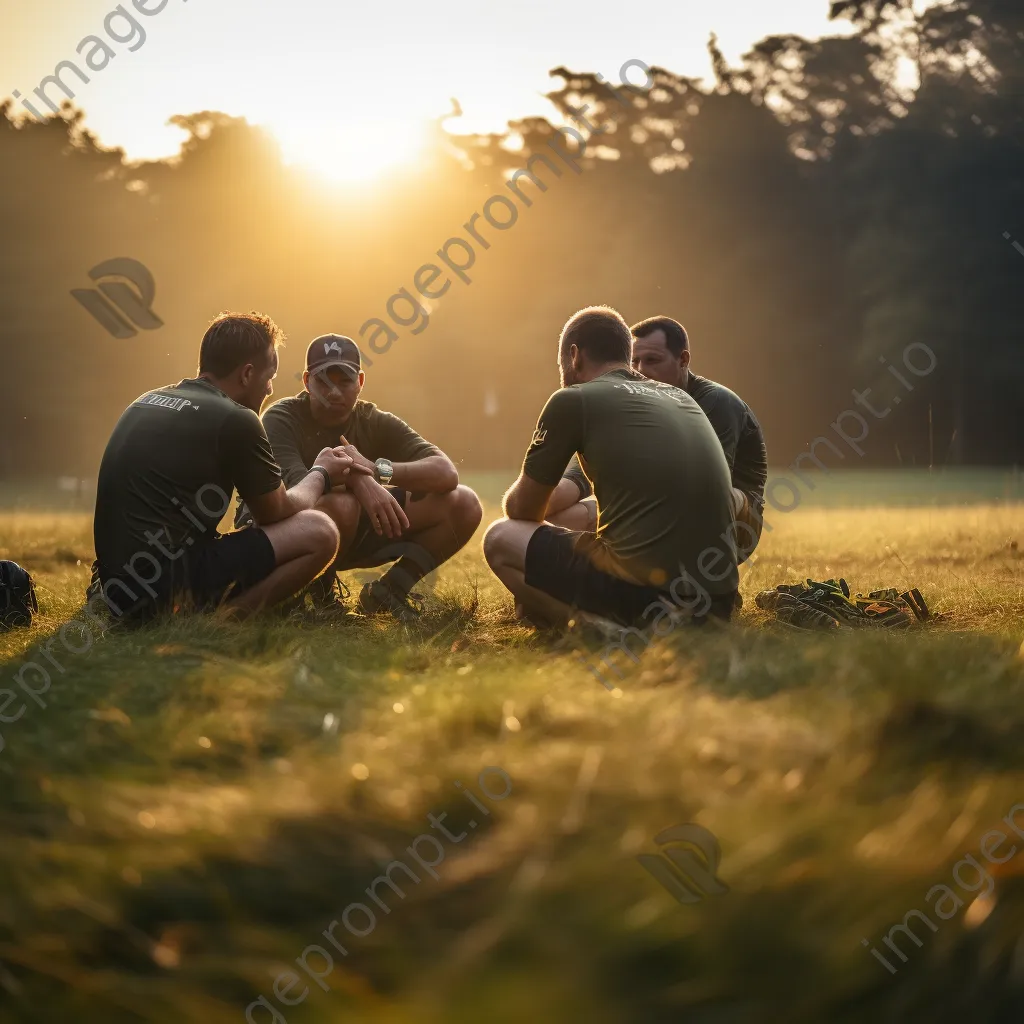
297,438
738,431
182,447
659,473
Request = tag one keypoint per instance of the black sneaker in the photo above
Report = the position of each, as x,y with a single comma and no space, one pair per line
377,597
793,612
328,593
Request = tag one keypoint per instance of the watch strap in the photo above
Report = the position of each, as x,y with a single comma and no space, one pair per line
327,477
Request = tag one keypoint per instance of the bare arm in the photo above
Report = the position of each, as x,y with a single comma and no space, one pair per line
565,495
434,474
528,500
283,504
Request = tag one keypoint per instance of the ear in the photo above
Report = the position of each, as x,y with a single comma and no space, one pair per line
684,359
246,374
575,357
305,379
362,379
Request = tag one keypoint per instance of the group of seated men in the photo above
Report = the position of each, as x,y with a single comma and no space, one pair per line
643,485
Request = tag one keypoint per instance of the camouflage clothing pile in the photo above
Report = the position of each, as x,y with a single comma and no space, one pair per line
830,606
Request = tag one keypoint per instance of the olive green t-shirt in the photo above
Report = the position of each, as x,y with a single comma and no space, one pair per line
169,469
738,431
297,438
659,473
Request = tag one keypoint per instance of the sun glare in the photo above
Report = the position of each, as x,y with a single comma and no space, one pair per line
356,151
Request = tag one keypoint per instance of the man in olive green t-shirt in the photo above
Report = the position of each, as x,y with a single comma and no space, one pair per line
662,487
411,509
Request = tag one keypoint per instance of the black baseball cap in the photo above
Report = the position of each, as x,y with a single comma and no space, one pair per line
333,350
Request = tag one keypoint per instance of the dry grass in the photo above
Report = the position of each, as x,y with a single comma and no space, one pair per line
197,803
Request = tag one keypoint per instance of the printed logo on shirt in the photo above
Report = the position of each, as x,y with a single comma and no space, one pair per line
539,437
165,402
660,391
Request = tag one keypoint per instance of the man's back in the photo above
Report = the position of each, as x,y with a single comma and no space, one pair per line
171,462
738,431
659,473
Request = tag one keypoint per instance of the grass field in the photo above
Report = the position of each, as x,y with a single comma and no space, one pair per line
196,803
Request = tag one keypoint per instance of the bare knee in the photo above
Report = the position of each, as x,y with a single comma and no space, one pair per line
344,510
494,543
466,511
319,534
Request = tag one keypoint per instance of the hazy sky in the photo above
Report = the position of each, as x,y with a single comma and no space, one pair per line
293,65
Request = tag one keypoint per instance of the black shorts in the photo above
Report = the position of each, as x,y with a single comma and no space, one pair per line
558,564
368,549
207,574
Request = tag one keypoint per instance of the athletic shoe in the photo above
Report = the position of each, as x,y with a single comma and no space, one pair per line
377,597
795,613
880,609
328,593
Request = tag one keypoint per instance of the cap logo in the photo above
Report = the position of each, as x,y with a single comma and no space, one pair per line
332,346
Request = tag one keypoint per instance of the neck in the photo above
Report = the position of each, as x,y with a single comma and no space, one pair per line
594,372
229,388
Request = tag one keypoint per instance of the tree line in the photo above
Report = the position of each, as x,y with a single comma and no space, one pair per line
808,215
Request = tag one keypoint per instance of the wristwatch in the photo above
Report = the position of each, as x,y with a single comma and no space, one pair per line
327,477
384,471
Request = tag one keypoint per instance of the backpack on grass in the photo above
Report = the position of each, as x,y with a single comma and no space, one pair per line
17,596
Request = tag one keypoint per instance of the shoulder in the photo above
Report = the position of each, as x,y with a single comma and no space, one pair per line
243,421
287,410
373,417
709,393
564,401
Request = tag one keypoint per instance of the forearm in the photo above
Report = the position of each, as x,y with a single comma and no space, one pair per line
304,495
434,475
567,494
519,505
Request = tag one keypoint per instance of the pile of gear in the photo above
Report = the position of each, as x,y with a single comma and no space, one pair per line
830,606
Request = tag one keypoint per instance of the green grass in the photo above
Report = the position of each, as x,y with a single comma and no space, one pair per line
197,802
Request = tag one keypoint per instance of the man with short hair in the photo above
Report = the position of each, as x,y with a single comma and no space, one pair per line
166,478
411,508
661,352
662,487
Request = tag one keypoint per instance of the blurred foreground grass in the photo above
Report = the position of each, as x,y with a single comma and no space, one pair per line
196,803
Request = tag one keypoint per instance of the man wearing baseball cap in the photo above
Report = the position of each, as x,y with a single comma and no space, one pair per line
412,509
